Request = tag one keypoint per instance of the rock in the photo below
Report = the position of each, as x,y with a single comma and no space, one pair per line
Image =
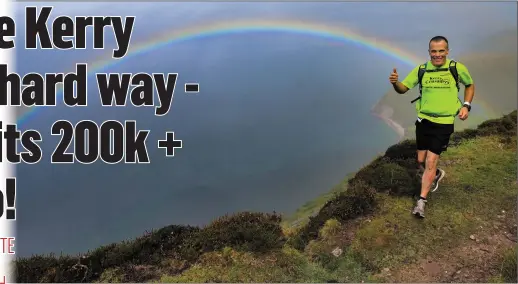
386,269
472,237
337,252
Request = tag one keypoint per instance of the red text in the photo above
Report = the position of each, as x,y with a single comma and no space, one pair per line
7,244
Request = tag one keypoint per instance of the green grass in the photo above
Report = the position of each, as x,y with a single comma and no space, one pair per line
315,264
466,199
478,186
228,265
366,217
508,269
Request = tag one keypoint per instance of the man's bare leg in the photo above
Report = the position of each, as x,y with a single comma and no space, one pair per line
429,174
421,158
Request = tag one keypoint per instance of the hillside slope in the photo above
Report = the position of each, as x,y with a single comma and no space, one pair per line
362,232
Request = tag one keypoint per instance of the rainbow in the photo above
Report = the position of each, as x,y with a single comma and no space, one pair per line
330,32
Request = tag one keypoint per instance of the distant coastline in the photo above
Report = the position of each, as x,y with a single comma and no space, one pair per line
385,114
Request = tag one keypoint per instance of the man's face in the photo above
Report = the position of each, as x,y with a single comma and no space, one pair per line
438,52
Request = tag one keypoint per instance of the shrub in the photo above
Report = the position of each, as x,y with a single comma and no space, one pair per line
47,269
390,177
458,137
359,199
504,126
409,164
148,249
330,228
402,151
254,232
363,174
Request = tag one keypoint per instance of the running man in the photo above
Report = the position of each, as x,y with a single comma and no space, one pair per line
437,108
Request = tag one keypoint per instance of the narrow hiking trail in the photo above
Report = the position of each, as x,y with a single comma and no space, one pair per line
470,224
360,231
477,261
470,221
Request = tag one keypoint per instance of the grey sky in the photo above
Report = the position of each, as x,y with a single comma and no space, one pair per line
405,25
247,171
395,21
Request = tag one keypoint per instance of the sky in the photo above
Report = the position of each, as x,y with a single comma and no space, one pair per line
466,24
405,24
286,169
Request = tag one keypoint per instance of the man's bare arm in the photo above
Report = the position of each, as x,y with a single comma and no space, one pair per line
400,88
469,93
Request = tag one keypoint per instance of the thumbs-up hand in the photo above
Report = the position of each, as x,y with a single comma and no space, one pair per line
393,76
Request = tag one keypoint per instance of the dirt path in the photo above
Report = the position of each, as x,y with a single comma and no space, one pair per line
477,260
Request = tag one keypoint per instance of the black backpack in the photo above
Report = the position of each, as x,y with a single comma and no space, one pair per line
422,70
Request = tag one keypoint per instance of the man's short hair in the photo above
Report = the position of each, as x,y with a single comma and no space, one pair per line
439,38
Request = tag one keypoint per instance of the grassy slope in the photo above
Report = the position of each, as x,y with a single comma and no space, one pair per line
365,221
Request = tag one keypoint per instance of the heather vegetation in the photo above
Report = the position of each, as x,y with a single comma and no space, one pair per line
361,231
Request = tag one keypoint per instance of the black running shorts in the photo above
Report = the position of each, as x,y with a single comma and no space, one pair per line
431,136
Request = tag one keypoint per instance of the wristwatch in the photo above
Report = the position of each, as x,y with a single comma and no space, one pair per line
467,105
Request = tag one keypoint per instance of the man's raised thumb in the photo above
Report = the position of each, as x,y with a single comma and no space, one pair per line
394,71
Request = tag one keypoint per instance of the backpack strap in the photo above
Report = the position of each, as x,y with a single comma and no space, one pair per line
454,73
420,74
422,69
